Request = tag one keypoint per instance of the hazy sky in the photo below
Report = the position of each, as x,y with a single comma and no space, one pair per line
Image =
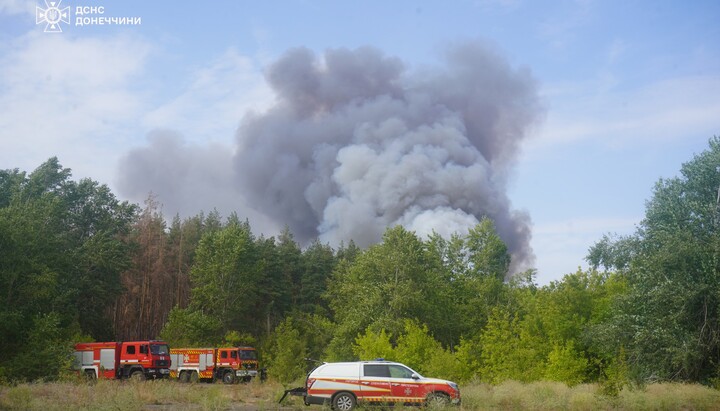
607,97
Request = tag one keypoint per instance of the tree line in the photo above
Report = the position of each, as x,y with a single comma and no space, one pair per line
78,264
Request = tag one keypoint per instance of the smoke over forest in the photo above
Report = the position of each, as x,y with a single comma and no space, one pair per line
356,141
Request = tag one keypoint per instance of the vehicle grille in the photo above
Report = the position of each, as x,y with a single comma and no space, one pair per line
250,366
162,363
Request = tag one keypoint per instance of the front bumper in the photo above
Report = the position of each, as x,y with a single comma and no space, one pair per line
246,373
157,372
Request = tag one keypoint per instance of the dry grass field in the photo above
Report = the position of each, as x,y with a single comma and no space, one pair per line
170,395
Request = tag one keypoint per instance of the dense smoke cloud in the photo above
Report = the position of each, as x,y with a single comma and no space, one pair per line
356,143
185,178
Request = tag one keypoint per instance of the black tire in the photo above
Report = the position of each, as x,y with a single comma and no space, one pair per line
184,376
137,375
90,375
343,401
194,377
228,377
437,399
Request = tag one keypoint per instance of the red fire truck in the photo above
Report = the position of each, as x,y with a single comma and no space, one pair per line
129,359
227,364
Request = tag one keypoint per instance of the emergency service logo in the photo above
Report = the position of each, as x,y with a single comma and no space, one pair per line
52,15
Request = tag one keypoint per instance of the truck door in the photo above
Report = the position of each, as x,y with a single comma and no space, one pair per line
129,355
144,357
375,383
224,360
403,386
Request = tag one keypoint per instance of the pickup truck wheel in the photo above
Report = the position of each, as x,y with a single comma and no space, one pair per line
437,399
343,401
228,377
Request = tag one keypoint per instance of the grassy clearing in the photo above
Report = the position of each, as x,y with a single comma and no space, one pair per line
546,395
131,395
169,395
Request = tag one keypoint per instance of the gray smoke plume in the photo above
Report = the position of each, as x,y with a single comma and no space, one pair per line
356,143
186,178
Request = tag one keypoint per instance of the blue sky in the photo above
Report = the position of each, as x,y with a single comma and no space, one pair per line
630,90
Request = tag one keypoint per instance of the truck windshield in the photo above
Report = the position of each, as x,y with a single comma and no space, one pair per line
248,355
160,349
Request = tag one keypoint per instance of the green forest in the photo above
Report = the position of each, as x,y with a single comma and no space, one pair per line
77,264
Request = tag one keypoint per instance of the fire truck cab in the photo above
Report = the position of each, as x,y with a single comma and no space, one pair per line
128,359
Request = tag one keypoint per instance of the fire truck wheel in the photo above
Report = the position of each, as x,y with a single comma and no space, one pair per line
228,377
194,377
90,375
137,375
184,376
343,401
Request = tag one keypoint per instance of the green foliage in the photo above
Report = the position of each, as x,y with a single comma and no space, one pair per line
509,351
225,277
443,363
566,364
468,355
288,257
617,375
372,345
472,269
318,262
669,320
286,353
415,347
62,249
391,281
450,286
423,353
316,330
45,353
488,255
236,339
340,347
189,328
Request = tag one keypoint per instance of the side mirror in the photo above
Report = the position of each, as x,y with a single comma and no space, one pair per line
415,376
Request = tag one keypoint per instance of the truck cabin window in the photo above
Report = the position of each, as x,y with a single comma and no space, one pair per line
248,355
376,370
160,349
398,371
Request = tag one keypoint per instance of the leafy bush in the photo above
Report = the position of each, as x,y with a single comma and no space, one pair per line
188,328
286,353
373,345
566,365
